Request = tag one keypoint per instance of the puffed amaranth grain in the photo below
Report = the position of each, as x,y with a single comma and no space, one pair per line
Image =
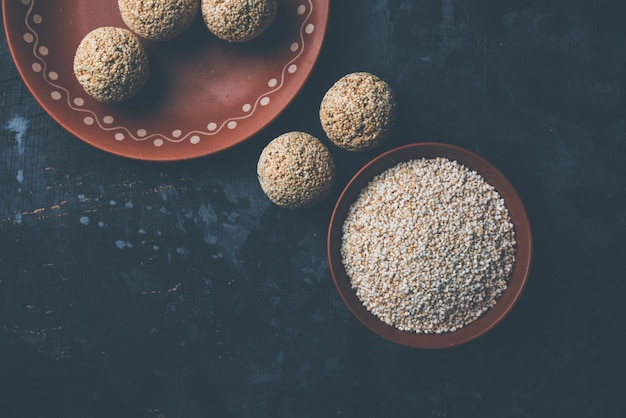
238,20
296,170
158,20
358,112
111,64
428,245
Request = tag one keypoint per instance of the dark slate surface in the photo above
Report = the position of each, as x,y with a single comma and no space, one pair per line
135,289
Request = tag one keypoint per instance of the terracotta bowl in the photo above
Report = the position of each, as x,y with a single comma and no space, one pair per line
518,216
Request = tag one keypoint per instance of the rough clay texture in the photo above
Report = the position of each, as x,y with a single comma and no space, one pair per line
428,246
111,64
358,112
158,20
238,20
296,170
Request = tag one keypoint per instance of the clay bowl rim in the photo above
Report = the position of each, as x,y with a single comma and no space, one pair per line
519,218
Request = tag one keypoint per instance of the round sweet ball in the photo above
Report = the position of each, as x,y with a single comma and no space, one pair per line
238,20
158,20
111,64
296,170
358,112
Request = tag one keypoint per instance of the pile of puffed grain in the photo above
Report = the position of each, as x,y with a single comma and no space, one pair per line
428,246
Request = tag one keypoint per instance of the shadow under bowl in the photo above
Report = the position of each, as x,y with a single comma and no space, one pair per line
519,218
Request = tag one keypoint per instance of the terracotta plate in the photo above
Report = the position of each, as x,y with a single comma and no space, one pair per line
518,215
204,95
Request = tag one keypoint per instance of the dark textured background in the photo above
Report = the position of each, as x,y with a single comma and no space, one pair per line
135,289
